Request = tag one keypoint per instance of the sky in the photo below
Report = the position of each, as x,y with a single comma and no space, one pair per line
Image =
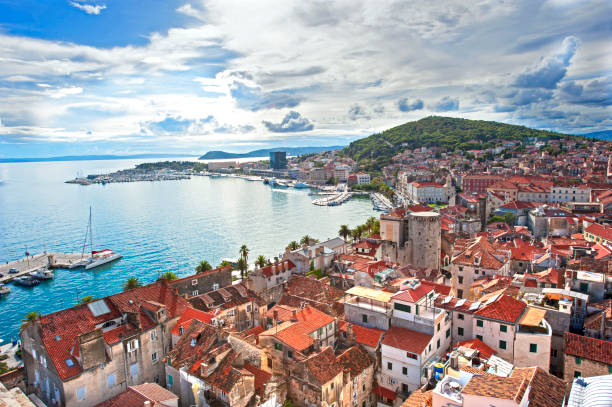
189,76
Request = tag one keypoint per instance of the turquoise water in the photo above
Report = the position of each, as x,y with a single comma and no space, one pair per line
157,226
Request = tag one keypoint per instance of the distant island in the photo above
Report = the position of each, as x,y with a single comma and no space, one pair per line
216,155
89,157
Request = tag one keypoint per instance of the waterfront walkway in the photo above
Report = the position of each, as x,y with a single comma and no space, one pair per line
31,263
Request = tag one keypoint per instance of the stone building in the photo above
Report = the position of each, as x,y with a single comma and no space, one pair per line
84,355
586,357
358,366
411,238
202,283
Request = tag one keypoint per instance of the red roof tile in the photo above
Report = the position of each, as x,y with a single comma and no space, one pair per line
261,377
588,348
485,350
504,308
406,339
369,337
413,294
189,315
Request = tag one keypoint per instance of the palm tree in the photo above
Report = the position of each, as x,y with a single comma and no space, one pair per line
203,267
169,276
131,283
344,231
357,232
225,263
261,261
293,245
370,223
305,240
242,265
244,252
86,299
30,316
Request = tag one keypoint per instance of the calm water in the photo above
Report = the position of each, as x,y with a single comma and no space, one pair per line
157,226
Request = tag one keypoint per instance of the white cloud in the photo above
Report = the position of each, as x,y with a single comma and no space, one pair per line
88,8
63,92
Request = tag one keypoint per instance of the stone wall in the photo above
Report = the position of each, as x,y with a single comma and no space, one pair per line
587,368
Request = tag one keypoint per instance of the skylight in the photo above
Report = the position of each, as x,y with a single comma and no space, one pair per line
69,362
98,308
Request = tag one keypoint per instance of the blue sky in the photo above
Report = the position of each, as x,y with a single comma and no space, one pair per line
134,76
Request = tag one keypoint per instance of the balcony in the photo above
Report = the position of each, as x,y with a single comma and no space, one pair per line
369,304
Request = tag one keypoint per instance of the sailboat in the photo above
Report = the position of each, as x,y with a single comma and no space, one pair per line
97,258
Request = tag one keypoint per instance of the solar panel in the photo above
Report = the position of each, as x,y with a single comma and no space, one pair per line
460,303
447,300
492,299
98,308
69,362
475,306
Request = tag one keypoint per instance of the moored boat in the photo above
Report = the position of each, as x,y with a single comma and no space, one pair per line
101,257
4,289
42,274
26,281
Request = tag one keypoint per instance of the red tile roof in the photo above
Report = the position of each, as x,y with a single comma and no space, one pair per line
261,377
406,339
277,268
323,365
355,360
485,350
588,348
413,294
136,396
309,320
369,337
605,232
504,308
189,315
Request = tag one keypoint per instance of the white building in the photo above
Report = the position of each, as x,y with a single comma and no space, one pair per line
363,178
570,193
428,192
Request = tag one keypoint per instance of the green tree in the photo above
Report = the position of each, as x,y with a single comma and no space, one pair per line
131,283
261,261
204,266
244,252
344,231
242,265
86,299
305,240
293,245
370,223
225,263
30,316
169,276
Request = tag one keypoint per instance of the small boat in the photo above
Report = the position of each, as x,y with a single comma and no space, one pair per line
214,175
4,289
266,181
301,185
26,281
42,274
101,257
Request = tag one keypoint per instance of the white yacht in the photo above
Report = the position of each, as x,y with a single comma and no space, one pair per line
101,257
42,274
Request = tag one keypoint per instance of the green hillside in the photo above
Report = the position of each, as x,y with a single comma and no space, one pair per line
445,132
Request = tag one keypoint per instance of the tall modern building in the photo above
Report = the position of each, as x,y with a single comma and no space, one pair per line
278,160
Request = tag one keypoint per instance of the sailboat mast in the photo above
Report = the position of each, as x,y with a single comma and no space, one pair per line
90,232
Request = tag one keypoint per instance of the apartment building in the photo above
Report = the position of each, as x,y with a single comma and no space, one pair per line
84,355
428,192
368,307
586,357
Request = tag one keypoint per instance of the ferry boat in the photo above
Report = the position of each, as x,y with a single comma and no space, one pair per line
42,274
26,281
4,289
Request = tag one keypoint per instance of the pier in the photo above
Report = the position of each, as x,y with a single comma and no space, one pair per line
381,202
335,199
31,263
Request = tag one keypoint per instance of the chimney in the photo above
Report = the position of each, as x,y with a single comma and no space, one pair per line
349,332
294,314
275,316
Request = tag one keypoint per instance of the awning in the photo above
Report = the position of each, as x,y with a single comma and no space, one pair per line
384,392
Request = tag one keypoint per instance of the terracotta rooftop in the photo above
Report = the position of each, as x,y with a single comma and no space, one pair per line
485,350
369,337
355,360
261,377
136,396
504,308
323,365
589,348
406,339
418,398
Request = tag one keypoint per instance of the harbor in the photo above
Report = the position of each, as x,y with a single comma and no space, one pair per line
30,264
381,202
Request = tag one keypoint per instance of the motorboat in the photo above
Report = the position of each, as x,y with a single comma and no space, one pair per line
301,185
42,274
26,281
4,289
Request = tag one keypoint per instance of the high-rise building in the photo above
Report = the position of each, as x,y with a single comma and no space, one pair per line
278,160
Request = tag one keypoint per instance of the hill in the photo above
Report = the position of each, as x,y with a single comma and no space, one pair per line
601,135
445,132
215,155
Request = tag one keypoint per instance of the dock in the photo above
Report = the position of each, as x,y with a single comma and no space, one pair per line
381,202
31,263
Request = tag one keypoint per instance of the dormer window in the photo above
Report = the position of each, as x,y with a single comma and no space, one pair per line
193,342
194,282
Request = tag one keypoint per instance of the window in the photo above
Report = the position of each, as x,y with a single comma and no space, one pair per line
438,344
578,360
553,353
460,293
248,308
80,393
110,380
479,337
584,287
410,355
389,366
194,293
533,347
609,368
134,369
577,373
215,286
405,371
402,307
460,268
69,362
154,357
460,316
503,328
132,345
364,318
429,350
438,328
502,344
479,323
194,282
181,330
278,346
460,331
448,332
153,335
460,278
290,354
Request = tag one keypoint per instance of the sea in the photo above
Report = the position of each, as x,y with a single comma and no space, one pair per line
157,226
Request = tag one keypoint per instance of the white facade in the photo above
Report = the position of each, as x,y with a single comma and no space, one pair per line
363,178
427,192
570,193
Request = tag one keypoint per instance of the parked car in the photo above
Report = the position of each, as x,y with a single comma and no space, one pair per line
13,271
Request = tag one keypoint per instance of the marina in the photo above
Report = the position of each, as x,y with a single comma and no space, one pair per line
335,199
381,202
32,264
